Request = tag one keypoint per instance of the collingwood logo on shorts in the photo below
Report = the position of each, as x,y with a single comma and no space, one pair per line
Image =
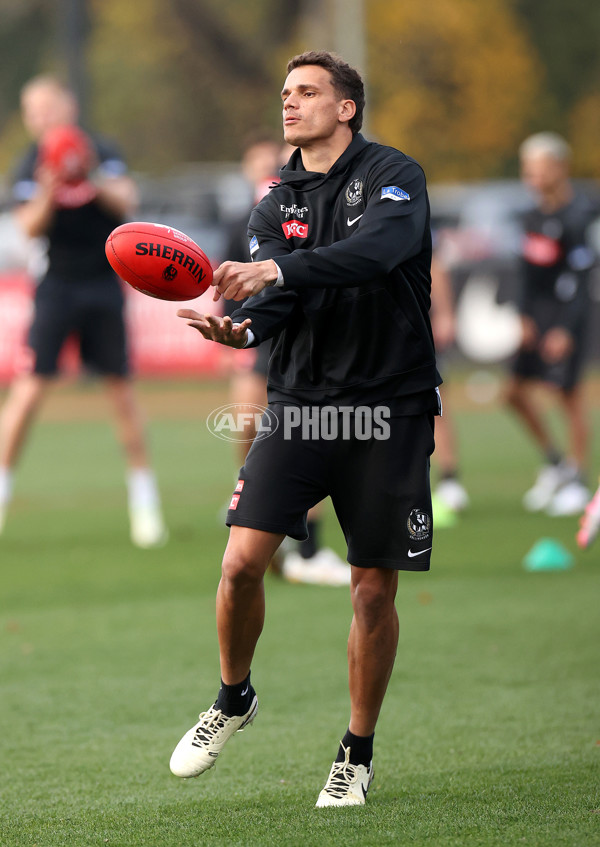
354,192
418,524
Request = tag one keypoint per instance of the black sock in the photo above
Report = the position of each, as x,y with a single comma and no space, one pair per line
361,749
449,473
235,699
553,456
308,548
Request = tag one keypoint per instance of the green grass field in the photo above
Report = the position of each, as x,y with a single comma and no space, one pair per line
489,733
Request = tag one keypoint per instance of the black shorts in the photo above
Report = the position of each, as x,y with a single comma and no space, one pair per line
92,311
379,488
528,364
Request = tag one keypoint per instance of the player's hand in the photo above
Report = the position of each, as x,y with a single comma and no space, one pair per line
556,345
48,181
238,280
529,333
215,328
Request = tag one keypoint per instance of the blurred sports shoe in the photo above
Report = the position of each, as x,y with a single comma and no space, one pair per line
571,499
549,480
324,568
589,525
147,527
198,749
347,784
452,494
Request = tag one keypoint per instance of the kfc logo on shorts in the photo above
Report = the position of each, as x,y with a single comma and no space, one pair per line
295,229
239,486
234,502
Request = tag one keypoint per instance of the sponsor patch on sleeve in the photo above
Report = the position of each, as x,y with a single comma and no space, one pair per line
253,245
392,192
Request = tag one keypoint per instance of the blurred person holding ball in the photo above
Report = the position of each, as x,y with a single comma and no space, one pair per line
73,190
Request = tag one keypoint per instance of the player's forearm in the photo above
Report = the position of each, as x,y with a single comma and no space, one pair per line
118,195
35,217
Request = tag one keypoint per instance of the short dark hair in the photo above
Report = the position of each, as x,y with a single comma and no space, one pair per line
346,80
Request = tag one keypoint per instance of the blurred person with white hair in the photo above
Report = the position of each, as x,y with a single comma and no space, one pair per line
554,308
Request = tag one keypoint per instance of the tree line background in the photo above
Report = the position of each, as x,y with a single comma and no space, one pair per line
455,83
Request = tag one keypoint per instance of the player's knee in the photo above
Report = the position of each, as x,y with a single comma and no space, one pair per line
241,566
373,596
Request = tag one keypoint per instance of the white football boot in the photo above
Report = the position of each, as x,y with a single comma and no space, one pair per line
147,527
549,480
452,494
347,784
324,568
198,749
571,499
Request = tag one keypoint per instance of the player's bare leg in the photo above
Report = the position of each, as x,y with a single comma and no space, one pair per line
555,474
20,407
130,425
572,497
241,598
578,428
518,397
248,388
240,618
448,490
371,653
147,524
24,398
372,644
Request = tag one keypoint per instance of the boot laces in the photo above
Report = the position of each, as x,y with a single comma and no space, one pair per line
211,723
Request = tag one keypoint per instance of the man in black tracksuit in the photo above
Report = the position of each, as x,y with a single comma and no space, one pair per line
556,263
340,280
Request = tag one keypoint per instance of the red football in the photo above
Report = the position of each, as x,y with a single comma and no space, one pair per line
68,151
158,260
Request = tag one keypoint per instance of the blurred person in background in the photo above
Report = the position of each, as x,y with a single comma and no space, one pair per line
554,307
303,561
449,490
74,190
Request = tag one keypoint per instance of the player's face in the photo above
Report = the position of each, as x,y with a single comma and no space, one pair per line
45,106
312,109
543,173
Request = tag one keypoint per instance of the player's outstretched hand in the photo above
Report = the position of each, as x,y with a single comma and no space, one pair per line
238,280
215,328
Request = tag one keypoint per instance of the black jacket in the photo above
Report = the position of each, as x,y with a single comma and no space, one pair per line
351,321
556,262
76,237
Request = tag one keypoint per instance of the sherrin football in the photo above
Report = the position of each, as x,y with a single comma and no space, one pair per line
158,260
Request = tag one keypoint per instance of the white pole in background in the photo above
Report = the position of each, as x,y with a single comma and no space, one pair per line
349,36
